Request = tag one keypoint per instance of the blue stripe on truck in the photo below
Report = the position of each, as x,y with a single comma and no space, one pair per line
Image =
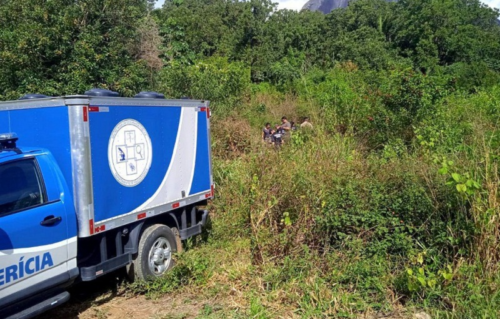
201,178
112,199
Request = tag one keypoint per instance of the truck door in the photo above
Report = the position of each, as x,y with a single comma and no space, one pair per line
33,230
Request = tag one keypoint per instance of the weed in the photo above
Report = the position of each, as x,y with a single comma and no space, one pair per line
365,220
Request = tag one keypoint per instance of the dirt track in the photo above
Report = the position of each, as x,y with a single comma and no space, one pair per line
107,298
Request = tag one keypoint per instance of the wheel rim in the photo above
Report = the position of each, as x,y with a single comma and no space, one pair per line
160,256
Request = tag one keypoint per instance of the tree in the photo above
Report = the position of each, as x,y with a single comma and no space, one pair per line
444,32
66,47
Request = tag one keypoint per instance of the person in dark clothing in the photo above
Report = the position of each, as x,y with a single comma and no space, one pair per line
277,136
267,133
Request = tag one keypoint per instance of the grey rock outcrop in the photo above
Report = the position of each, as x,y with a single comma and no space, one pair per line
326,6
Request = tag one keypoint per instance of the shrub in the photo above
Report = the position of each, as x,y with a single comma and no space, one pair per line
214,79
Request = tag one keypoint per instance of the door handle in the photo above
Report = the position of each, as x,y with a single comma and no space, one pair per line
50,220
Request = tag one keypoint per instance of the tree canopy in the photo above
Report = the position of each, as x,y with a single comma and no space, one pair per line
59,46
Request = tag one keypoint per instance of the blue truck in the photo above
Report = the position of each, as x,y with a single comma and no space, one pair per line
93,183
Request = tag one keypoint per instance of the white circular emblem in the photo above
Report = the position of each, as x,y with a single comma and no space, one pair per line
129,152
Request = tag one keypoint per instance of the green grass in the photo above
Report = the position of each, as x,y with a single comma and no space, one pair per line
335,225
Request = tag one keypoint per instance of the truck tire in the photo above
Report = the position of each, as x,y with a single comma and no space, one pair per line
155,254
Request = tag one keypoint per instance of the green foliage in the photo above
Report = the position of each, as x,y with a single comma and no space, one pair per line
457,38
423,281
407,98
445,32
389,222
190,269
338,94
356,222
66,47
214,79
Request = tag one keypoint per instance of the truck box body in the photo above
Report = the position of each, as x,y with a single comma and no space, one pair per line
105,182
126,159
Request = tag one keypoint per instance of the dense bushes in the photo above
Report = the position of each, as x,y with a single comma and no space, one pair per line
413,214
65,47
213,79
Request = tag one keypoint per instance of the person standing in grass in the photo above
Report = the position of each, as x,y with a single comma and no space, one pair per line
277,136
285,129
306,124
266,133
285,125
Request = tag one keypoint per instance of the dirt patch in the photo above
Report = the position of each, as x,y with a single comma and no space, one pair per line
108,298
140,307
109,306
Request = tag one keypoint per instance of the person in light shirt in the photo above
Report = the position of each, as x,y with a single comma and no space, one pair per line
306,124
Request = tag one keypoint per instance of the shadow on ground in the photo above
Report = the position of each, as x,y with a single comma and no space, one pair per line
94,295
86,295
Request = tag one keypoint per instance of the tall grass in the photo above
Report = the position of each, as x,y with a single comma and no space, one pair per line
384,216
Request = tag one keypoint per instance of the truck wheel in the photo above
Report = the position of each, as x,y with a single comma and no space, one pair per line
154,257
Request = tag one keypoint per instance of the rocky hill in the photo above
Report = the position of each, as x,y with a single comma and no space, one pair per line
326,6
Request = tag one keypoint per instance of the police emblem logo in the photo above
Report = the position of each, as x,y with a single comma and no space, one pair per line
129,152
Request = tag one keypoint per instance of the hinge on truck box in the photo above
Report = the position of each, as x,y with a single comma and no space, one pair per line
205,109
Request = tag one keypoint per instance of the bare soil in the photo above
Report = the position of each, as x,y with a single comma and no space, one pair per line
108,298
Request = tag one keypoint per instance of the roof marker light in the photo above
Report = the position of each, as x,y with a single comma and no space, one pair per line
149,95
101,93
8,142
8,136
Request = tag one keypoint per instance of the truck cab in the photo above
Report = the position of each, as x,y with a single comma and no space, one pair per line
37,227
